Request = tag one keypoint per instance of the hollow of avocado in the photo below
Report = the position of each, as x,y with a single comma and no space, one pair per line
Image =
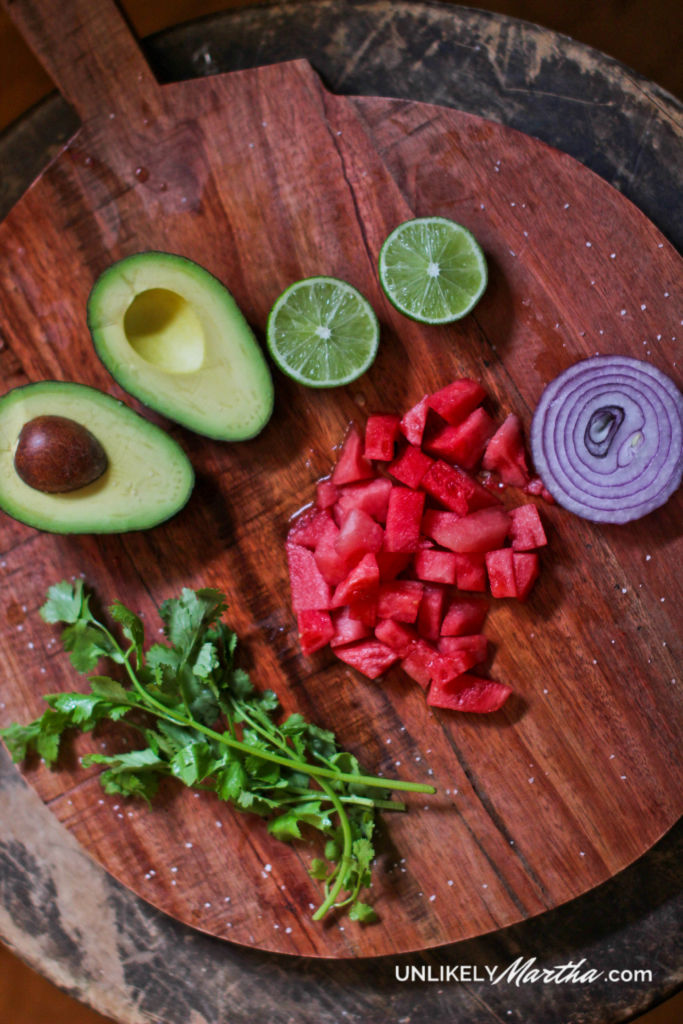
138,475
172,335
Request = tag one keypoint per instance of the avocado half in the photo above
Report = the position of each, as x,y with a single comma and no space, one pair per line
172,335
148,477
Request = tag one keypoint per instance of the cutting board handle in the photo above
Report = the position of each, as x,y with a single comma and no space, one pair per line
91,53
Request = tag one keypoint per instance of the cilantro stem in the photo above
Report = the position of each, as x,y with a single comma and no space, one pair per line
344,860
288,762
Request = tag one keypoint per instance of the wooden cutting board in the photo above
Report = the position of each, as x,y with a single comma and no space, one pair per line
264,177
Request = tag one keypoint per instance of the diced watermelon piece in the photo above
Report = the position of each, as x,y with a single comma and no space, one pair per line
315,630
309,527
404,516
470,570
410,466
501,572
526,568
425,664
391,563
430,614
371,657
419,662
380,435
526,528
537,488
457,400
358,533
309,588
464,443
414,421
476,643
456,489
506,455
399,600
352,464
396,635
479,531
346,628
468,692
371,496
326,493
464,616
361,583
364,610
333,567
435,566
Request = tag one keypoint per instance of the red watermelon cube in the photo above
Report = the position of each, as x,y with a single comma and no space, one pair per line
352,464
501,572
506,455
457,400
468,692
309,527
430,613
410,466
380,437
435,566
414,421
463,444
371,496
309,588
362,583
396,635
399,600
346,628
315,629
404,516
464,615
470,570
358,533
477,532
526,568
371,657
456,489
526,528
476,643
326,493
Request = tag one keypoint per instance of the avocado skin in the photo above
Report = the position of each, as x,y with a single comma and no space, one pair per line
157,392
123,509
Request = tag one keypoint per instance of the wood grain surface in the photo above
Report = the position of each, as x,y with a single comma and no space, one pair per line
263,177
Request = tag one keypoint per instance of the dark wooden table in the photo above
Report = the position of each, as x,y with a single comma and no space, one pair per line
64,914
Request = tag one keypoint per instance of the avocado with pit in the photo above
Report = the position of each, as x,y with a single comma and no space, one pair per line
172,335
75,460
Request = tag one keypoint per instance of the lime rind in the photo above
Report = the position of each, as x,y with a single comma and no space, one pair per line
432,270
322,332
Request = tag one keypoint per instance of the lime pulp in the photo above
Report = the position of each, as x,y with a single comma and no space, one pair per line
322,332
432,269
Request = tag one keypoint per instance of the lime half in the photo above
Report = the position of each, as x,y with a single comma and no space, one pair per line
432,269
322,332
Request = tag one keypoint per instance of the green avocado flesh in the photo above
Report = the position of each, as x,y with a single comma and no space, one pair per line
173,336
148,476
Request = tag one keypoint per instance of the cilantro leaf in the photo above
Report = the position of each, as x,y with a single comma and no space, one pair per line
65,602
363,913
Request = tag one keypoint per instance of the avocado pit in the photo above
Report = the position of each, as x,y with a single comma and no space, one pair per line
55,455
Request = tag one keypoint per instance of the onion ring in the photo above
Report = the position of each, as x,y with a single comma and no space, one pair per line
607,438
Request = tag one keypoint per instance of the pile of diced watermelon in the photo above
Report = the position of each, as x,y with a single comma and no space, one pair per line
397,558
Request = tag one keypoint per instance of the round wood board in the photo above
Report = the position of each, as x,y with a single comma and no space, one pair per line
579,774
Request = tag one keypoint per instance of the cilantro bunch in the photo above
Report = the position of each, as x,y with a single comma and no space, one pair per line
201,721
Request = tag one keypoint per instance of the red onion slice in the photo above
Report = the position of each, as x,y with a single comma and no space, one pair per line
607,438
